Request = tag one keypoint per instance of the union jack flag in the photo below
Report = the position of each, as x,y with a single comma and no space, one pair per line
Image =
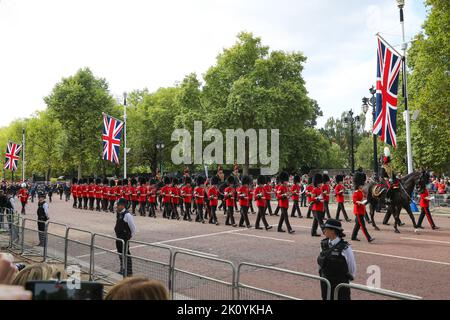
388,71
112,133
12,156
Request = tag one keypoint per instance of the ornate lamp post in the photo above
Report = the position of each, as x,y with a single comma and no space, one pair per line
372,102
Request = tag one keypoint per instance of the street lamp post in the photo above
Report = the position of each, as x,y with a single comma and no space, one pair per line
372,102
160,146
349,119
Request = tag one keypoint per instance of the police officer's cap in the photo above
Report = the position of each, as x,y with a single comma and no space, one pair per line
333,224
122,202
41,195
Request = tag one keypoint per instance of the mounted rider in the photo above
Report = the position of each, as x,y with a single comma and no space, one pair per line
391,182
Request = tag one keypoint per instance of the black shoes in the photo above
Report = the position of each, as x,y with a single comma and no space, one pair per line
258,228
435,228
291,231
315,235
281,230
371,240
268,227
355,239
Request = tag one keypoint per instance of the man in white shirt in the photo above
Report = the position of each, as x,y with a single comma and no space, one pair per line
336,260
125,229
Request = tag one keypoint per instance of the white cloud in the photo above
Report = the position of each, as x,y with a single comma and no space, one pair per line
137,43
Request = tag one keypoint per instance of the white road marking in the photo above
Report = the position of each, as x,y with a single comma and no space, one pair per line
198,236
262,237
404,258
103,252
189,250
426,240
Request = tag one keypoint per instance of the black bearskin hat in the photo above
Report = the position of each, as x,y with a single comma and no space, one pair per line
215,180
174,181
326,178
187,180
231,180
166,180
98,181
74,181
152,181
122,182
112,183
297,178
91,180
200,180
317,179
105,181
309,180
359,179
125,182
284,176
339,178
246,180
133,182
261,180
142,180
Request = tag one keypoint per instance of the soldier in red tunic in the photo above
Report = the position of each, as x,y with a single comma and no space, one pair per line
282,193
23,196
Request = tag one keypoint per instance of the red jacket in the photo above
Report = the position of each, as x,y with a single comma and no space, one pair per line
200,195
268,191
23,195
260,202
339,191
358,209
187,194
326,192
424,203
283,201
309,190
295,189
213,196
229,196
142,193
243,195
318,205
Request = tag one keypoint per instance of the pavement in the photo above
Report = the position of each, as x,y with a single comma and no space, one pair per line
416,263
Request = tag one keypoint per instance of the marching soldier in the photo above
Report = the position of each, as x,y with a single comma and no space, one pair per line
176,194
98,194
199,195
283,202
112,195
243,195
309,190
424,207
213,196
133,190
326,194
142,195
23,196
186,193
250,196
295,190
278,183
105,195
336,260
318,206
359,208
261,203
339,192
229,193
268,196
80,193
165,193
91,194
152,198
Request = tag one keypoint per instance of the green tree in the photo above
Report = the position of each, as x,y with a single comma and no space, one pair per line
78,102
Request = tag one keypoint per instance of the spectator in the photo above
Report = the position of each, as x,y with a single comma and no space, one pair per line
138,289
38,271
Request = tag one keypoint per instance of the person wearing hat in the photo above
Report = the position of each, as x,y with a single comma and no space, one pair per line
142,196
317,204
424,205
112,195
175,198
91,193
85,194
105,195
186,193
73,190
243,196
199,196
359,207
165,193
295,190
23,196
229,194
336,260
326,194
268,195
339,191
151,193
282,192
98,194
42,217
261,203
213,198
309,190
125,229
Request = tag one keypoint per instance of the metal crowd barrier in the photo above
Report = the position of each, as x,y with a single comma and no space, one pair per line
106,262
375,291
33,240
247,292
151,261
6,217
193,286
79,252
55,242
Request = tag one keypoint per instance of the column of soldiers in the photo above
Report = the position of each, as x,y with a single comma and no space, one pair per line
181,198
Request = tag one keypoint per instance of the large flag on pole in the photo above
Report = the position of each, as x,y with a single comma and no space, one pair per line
12,156
112,133
388,72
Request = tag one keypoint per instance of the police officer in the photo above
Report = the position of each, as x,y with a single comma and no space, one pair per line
125,229
336,260
42,217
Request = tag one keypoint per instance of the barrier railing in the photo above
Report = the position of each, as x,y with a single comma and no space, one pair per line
79,251
188,285
247,292
151,261
375,291
33,240
6,217
104,259
55,241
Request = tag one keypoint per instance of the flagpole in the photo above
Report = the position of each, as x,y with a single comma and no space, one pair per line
401,4
125,135
23,154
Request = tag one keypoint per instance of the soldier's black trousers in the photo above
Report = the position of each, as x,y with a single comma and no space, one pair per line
230,216
308,214
261,216
134,205
167,209
105,205
284,218
111,205
268,207
327,209
296,208
303,201
80,203
199,217
340,208
142,211
252,210
360,223
91,203
175,214
207,211
152,209
120,249
318,221
187,211
213,216
244,217
425,212
277,210
74,202
98,207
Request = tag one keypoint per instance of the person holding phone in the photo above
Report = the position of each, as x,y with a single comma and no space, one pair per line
125,229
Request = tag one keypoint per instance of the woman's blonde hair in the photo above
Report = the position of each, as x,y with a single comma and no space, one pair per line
38,271
138,289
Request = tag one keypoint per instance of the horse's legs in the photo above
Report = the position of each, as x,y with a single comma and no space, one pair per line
411,215
395,213
372,214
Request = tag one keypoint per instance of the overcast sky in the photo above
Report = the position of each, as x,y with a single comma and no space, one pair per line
137,44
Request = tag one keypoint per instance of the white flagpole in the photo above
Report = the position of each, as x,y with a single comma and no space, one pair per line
125,135
405,91
23,155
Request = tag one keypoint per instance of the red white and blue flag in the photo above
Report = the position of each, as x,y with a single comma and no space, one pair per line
388,73
12,156
112,133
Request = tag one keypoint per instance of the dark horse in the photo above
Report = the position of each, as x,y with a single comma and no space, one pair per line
400,198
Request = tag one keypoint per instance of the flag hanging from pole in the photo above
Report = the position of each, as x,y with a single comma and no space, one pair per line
12,156
388,73
112,133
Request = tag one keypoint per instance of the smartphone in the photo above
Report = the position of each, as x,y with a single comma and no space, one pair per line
58,290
